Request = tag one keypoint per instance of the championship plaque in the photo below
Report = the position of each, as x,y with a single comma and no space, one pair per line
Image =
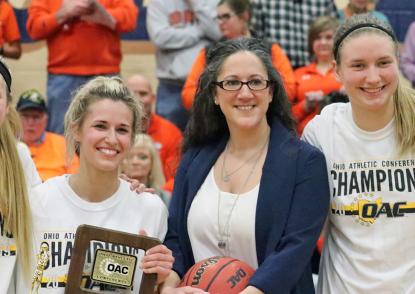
109,267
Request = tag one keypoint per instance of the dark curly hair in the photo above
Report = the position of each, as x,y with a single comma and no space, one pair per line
207,123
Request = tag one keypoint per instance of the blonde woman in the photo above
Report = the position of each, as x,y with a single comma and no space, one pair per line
100,127
17,173
369,146
143,164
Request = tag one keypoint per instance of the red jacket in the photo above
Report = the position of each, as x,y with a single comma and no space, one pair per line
79,47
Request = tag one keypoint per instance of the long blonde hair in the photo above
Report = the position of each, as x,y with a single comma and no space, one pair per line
14,204
403,97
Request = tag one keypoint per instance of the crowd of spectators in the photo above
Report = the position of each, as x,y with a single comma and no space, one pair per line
298,33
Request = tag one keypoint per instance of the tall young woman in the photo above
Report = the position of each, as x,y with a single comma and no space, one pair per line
100,127
369,146
243,186
17,175
233,17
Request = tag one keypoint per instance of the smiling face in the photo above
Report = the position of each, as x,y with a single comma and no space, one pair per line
231,25
138,163
244,108
323,45
369,71
105,135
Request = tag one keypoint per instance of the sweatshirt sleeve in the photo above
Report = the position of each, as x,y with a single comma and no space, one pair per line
192,81
41,22
408,54
283,66
125,13
166,36
205,12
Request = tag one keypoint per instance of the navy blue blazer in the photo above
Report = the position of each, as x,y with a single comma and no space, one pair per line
292,206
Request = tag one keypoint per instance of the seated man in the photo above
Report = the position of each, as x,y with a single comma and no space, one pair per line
166,136
48,150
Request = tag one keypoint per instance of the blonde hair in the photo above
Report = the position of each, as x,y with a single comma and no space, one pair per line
14,204
156,179
403,97
99,88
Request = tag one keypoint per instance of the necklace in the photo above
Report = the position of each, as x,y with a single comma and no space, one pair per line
227,176
224,234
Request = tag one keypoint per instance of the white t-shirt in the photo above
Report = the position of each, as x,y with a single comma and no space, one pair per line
8,252
371,224
58,211
202,223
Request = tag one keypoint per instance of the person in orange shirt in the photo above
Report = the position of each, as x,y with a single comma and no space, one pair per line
233,17
83,39
48,150
317,79
166,136
9,32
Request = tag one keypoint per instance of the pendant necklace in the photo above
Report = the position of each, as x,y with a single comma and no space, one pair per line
227,176
224,231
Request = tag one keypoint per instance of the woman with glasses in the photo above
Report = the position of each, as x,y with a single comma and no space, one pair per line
233,18
246,186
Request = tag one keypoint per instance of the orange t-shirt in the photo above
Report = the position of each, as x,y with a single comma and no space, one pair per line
80,47
309,79
50,157
9,30
279,60
168,140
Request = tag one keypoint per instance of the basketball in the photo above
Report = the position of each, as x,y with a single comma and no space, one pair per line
218,275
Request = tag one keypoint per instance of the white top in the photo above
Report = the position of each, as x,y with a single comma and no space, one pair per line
58,211
8,254
371,224
202,223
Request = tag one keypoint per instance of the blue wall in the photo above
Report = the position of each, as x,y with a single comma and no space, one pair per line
400,13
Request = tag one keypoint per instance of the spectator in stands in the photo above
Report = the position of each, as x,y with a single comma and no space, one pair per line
360,6
143,164
166,136
9,32
317,79
47,149
179,29
286,22
68,24
408,55
233,17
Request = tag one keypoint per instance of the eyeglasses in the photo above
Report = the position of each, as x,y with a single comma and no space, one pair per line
236,85
224,17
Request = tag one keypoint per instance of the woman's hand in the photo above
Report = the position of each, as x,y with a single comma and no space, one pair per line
136,186
182,290
158,260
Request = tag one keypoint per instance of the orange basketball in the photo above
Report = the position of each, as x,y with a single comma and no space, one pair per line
218,275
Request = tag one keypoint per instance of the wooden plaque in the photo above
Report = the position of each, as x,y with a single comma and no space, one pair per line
84,235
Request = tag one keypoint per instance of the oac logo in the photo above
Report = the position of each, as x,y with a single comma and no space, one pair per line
108,267
367,209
